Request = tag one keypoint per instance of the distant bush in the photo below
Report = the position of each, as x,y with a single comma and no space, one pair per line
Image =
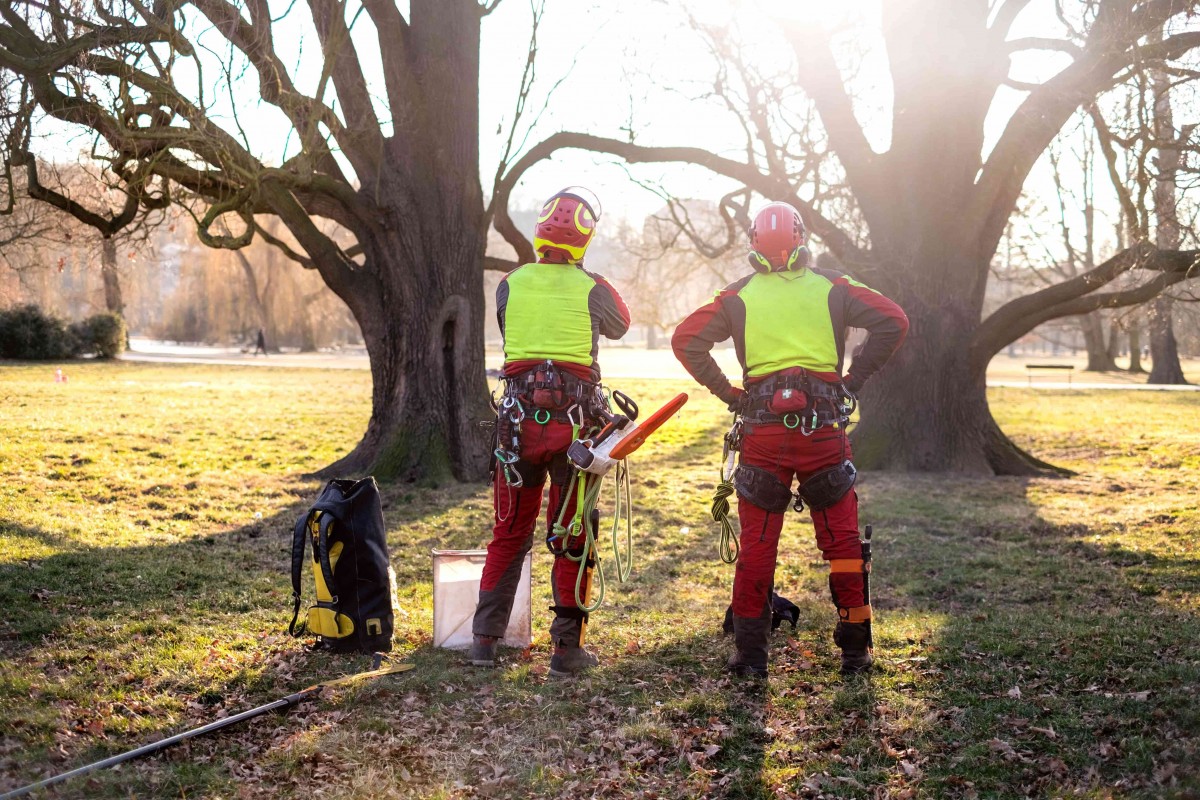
27,332
102,335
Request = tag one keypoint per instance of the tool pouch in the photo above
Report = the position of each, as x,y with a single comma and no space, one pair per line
828,486
548,391
760,487
787,401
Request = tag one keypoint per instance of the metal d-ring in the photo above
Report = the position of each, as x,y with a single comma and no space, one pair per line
538,418
791,426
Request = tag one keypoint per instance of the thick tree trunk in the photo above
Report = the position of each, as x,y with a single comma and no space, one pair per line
1114,342
1164,351
1098,357
424,341
1135,350
927,409
113,300
418,297
1165,368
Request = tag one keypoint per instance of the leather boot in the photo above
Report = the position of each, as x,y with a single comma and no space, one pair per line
751,637
569,657
483,651
567,662
854,638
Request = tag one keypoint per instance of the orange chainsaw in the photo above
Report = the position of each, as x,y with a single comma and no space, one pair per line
619,438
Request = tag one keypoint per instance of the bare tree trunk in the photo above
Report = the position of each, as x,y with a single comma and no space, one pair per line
927,409
1135,349
1165,368
1099,359
419,300
112,279
429,391
1164,351
304,318
257,301
1114,342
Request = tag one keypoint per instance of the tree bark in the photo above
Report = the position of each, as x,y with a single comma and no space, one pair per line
1098,357
113,300
1165,368
1114,342
418,297
1164,351
1135,349
424,341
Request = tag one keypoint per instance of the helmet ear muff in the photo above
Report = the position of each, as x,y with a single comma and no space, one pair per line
759,263
800,259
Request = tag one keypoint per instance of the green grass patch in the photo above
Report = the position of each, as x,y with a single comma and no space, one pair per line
1037,638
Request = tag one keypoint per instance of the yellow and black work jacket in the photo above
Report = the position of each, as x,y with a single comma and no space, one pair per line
557,312
786,320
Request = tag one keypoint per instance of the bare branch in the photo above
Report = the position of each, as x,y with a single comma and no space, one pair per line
1043,43
494,264
1007,14
1110,48
842,246
1019,316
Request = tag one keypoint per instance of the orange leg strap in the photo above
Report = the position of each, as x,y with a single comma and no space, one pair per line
860,614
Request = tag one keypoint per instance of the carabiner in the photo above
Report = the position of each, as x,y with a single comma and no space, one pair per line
814,423
575,415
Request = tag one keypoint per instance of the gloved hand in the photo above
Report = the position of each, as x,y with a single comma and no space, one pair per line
736,399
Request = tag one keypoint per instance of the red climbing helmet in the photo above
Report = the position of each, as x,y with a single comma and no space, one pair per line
565,226
777,239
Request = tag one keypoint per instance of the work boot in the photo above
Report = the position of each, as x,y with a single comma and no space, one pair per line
567,661
855,640
483,651
750,641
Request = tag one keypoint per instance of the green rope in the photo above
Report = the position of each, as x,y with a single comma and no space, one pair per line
729,546
624,567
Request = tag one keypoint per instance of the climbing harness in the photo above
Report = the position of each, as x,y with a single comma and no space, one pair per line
601,440
591,457
801,403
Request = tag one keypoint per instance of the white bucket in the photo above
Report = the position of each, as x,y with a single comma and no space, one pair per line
456,576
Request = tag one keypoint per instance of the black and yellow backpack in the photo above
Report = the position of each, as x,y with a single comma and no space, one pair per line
350,563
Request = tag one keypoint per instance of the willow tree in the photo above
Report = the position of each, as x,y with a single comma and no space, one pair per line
921,221
390,164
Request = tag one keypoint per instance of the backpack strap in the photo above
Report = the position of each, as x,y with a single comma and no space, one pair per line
299,537
322,548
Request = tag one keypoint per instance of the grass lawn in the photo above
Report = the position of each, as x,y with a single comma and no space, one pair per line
1037,638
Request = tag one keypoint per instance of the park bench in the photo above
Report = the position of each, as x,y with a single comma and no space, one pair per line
1031,368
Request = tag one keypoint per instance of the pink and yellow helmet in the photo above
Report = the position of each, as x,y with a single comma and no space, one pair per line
566,225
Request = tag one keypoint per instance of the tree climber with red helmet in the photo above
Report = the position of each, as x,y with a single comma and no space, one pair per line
551,315
788,321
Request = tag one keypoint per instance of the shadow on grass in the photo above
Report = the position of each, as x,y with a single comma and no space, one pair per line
1057,663
662,721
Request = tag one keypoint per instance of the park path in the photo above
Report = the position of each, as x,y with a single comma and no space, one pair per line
622,363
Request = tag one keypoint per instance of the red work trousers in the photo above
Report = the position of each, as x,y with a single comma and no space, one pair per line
787,454
543,452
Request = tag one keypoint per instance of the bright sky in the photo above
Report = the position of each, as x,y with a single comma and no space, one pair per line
617,74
